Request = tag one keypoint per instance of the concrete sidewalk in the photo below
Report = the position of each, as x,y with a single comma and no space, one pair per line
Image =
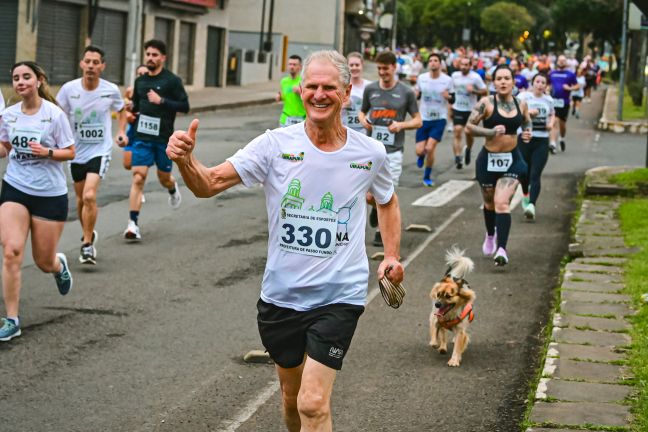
214,98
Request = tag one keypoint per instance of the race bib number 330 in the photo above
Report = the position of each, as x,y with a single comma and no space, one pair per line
307,232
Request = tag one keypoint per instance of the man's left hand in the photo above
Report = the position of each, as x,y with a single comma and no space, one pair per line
393,269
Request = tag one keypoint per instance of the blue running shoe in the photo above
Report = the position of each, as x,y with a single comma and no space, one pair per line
419,161
9,330
428,182
64,277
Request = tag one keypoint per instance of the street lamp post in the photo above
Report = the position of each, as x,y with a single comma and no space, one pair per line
624,48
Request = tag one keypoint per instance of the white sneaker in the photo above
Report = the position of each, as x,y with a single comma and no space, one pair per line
529,212
450,127
143,200
132,231
176,198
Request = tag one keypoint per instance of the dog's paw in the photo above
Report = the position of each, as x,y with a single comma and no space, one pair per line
454,362
434,345
443,350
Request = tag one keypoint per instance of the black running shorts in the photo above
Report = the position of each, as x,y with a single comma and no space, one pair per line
97,165
460,118
323,333
50,208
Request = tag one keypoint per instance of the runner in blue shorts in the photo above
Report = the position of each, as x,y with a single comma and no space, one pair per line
157,97
434,90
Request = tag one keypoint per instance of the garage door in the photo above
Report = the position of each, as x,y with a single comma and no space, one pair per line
58,40
8,24
109,33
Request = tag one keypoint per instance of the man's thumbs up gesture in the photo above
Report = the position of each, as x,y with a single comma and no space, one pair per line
182,143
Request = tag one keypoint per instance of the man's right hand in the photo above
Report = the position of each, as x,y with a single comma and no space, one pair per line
182,143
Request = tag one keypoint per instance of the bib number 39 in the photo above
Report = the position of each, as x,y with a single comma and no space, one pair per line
499,162
307,232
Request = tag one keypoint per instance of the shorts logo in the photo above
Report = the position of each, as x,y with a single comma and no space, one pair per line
361,166
336,352
291,157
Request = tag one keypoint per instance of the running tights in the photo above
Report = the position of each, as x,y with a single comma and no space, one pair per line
503,224
535,154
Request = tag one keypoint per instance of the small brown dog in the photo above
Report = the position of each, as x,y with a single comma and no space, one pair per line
453,301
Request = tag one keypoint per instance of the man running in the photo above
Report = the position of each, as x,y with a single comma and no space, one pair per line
293,108
521,83
89,102
157,97
434,89
385,105
563,82
315,283
467,85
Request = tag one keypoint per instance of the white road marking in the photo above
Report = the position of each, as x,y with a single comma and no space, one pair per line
444,194
248,410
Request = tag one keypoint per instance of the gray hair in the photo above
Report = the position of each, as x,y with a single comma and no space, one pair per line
336,59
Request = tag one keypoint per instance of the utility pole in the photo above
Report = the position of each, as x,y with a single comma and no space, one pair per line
394,26
133,40
263,9
622,63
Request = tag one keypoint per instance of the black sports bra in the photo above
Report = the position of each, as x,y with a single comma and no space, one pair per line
510,123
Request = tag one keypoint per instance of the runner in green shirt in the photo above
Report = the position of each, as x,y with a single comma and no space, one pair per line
293,109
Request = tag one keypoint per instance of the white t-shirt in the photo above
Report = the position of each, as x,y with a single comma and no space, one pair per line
433,105
90,116
465,101
316,214
31,174
2,103
545,106
581,90
350,115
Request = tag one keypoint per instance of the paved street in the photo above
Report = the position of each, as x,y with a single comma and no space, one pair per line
152,338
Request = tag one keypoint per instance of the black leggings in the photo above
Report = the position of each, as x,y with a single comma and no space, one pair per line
535,154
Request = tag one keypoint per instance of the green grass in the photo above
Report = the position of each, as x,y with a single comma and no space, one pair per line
630,111
631,179
634,224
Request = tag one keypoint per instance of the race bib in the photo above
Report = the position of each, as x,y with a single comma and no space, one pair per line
499,162
20,139
148,125
540,120
293,120
559,103
382,134
91,133
352,119
434,114
462,103
307,232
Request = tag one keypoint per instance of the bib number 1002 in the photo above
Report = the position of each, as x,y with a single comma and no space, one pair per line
304,236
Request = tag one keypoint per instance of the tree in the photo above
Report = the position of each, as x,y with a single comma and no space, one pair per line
505,22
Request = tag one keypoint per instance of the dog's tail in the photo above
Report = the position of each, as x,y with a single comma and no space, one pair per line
459,265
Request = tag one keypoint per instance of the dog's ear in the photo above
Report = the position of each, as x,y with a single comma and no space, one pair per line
435,290
467,294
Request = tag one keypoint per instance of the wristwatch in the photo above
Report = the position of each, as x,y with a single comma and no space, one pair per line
50,154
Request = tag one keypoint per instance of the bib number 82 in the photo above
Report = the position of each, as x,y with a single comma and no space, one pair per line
322,237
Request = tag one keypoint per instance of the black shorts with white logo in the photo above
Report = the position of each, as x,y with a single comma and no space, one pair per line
562,113
49,208
460,118
97,165
323,333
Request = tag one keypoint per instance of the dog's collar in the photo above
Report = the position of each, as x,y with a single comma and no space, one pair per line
466,312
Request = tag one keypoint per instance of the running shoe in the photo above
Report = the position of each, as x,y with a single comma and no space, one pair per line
501,259
563,146
88,255
378,240
419,161
450,127
458,163
467,156
489,245
525,202
577,115
373,217
9,330
132,231
552,149
64,277
176,198
529,212
95,236
428,182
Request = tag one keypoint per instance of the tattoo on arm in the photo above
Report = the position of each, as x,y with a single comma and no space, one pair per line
476,116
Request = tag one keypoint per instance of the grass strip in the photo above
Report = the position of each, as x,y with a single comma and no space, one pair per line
634,224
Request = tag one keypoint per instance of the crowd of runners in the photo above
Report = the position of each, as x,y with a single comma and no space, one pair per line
315,284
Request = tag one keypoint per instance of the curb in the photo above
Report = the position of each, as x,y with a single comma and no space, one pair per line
616,126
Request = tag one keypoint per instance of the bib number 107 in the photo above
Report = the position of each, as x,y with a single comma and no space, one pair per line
305,237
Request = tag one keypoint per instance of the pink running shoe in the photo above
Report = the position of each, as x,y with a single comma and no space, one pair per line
490,245
501,259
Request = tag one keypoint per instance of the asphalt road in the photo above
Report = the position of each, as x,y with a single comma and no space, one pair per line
152,338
